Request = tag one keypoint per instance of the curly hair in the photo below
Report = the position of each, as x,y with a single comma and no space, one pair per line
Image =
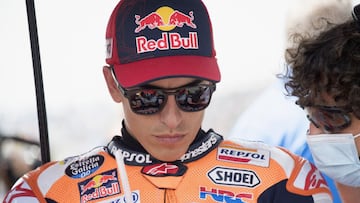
328,63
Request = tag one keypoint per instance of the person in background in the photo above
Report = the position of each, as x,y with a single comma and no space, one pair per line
18,155
162,68
325,81
273,117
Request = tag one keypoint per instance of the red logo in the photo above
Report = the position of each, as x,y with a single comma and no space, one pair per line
160,169
165,19
97,181
100,186
179,19
167,41
153,20
314,179
164,169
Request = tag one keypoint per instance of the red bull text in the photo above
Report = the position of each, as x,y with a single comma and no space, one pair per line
166,42
99,186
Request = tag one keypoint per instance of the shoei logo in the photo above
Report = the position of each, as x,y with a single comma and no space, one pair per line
165,19
234,176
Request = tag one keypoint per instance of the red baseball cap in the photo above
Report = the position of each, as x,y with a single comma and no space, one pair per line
148,40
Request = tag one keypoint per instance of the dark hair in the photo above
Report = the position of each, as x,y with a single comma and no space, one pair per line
327,63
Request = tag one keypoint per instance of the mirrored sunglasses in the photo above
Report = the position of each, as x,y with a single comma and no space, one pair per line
329,118
149,100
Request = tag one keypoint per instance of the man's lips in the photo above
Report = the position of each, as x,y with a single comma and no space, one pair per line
170,138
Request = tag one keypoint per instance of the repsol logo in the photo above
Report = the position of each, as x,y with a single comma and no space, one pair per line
254,157
234,176
133,157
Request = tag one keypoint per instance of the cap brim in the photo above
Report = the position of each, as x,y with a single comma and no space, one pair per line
145,71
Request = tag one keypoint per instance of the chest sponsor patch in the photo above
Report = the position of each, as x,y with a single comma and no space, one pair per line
99,186
258,157
164,169
82,168
234,176
218,195
201,148
130,157
121,199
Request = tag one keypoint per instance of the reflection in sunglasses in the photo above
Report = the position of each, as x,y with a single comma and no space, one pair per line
190,98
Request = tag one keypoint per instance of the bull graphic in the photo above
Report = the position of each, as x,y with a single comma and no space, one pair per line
151,21
154,20
179,19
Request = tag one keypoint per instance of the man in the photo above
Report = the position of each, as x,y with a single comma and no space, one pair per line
163,69
282,123
325,80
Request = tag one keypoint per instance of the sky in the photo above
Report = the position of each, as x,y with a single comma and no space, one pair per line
248,35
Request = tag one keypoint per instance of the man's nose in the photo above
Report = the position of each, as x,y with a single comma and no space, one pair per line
171,114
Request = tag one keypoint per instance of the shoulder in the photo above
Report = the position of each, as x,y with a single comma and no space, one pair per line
254,151
302,177
34,185
21,192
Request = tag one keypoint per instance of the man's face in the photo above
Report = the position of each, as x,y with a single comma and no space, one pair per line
166,135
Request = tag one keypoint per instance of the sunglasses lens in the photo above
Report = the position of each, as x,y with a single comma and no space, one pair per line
195,98
147,101
150,101
331,119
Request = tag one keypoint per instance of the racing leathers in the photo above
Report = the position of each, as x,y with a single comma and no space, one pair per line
212,170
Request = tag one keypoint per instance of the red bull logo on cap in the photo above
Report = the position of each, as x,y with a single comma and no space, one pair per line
99,186
166,19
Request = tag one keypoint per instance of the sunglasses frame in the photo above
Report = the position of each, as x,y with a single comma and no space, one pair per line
341,110
356,13
128,93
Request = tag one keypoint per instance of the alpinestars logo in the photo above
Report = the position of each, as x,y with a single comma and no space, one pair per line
164,169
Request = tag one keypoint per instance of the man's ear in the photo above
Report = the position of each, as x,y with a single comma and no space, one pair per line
112,84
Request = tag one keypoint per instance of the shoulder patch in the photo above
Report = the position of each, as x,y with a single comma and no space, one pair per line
21,192
84,167
306,179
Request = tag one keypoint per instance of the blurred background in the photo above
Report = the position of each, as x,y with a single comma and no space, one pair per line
249,40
